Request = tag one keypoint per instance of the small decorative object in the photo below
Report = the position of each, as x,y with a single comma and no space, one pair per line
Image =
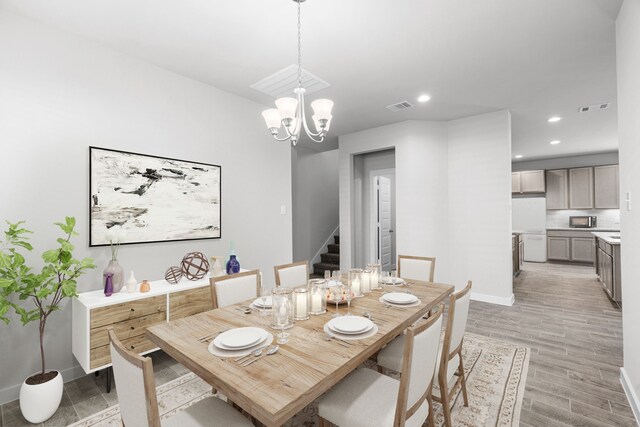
108,284
34,296
375,277
113,236
282,301
195,266
233,266
365,284
145,286
132,283
216,269
317,289
355,282
173,275
301,304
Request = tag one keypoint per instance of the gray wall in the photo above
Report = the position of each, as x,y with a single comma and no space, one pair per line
315,200
61,94
567,162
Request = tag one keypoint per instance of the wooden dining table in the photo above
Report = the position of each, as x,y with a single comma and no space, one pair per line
276,387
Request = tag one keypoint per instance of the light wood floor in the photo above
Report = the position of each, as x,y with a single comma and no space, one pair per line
575,336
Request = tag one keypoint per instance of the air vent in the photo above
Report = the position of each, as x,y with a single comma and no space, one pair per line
399,106
283,82
595,107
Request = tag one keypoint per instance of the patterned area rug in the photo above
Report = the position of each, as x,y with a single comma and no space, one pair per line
496,374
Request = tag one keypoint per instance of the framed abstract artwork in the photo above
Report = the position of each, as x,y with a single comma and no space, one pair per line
145,199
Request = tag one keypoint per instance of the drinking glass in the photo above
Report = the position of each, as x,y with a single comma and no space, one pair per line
385,277
336,291
282,320
264,293
348,296
335,276
327,275
394,276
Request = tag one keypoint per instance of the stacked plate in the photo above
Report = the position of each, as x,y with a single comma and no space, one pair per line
268,301
240,342
393,281
350,327
400,299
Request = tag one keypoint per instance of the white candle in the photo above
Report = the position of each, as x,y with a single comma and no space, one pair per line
366,285
301,305
374,280
316,302
355,286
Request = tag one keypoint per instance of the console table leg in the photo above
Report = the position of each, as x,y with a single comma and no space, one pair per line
109,375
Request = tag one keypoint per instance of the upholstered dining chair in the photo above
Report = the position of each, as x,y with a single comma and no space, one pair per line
235,288
139,403
292,275
416,267
450,355
367,398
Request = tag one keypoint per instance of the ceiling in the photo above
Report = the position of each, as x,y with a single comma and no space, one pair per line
537,58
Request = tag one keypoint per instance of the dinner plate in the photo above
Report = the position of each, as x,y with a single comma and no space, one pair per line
390,281
348,337
240,338
221,346
399,298
219,352
268,302
413,304
350,324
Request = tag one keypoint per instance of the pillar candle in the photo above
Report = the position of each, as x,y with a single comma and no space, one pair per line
355,286
374,280
316,302
301,305
366,285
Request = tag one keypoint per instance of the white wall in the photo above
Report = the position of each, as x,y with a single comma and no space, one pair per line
480,205
628,68
61,94
315,200
609,158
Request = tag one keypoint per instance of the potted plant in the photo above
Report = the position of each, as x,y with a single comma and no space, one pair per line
34,297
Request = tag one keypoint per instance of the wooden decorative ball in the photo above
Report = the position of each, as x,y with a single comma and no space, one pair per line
195,265
173,275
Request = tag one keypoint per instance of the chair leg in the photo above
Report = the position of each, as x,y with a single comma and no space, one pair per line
214,390
444,398
381,369
323,422
464,380
431,419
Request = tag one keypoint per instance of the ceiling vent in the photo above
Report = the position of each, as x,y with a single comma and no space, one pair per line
595,107
283,82
399,106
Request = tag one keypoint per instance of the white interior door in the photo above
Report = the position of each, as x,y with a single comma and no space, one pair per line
384,222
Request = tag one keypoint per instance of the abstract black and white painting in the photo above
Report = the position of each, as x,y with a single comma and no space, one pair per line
143,198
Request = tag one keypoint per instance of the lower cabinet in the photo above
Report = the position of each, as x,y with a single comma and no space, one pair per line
573,246
582,249
559,248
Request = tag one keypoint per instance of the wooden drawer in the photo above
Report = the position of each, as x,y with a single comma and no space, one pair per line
567,233
101,356
189,302
124,330
127,310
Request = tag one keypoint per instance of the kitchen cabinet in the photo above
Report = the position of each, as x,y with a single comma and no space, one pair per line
581,188
606,187
582,249
528,182
559,248
571,245
608,268
558,189
517,247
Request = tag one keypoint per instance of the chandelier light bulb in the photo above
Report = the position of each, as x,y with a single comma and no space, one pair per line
287,108
272,118
322,108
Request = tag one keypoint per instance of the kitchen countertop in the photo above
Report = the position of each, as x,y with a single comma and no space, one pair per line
599,229
607,237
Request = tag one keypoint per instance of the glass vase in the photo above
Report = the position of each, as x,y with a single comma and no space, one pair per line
117,275
233,265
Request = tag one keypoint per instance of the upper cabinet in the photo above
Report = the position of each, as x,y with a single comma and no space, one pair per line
527,182
558,189
606,187
581,188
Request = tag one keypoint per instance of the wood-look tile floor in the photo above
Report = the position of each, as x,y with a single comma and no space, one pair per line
561,313
575,336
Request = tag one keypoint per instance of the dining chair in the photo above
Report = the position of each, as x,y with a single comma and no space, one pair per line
450,354
139,403
416,267
292,275
235,288
367,398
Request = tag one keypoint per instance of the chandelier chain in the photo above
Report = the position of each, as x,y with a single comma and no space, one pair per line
299,48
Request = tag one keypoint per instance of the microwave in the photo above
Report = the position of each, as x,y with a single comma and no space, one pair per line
583,221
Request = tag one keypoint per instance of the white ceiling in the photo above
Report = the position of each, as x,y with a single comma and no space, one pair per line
537,58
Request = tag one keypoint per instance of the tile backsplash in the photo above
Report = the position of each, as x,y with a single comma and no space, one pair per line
607,218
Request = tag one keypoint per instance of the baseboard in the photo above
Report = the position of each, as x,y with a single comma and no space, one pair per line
12,393
632,397
509,301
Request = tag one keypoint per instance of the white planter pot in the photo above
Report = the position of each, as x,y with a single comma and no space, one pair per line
39,402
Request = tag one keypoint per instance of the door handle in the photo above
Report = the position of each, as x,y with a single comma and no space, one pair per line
390,231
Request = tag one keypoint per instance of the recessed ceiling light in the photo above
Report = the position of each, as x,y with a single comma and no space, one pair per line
518,156
554,119
555,142
424,98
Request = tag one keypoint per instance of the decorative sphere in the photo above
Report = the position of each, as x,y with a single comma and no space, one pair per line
173,275
195,266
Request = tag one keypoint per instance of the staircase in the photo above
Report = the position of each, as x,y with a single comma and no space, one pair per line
329,260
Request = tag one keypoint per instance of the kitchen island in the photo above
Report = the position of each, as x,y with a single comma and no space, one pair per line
608,263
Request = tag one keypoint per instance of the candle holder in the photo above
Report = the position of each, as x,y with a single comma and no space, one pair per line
317,296
355,282
301,304
375,276
365,281
282,304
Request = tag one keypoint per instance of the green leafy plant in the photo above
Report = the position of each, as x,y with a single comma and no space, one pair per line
45,290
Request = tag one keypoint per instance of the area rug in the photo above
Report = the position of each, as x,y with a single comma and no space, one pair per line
496,373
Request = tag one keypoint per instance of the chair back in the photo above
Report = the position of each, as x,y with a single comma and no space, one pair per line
419,365
135,384
457,321
235,288
416,267
292,275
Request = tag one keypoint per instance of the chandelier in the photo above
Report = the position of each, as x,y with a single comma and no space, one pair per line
290,112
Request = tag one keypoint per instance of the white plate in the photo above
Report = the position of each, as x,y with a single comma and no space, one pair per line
399,298
240,338
413,304
239,353
371,332
268,302
368,328
389,281
350,324
221,346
